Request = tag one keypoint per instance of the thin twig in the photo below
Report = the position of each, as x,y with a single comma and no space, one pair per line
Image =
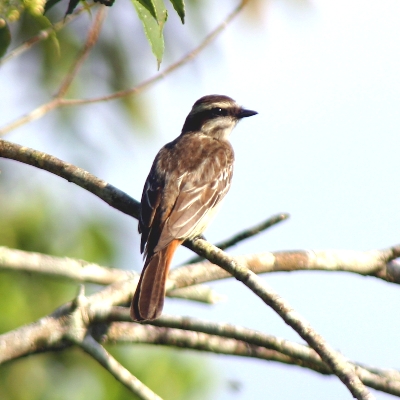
73,320
188,57
373,263
247,233
128,332
43,34
255,230
387,381
200,293
86,272
91,40
59,102
31,116
61,267
250,336
291,349
119,372
184,282
339,365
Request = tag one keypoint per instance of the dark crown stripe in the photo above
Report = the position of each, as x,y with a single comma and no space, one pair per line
213,98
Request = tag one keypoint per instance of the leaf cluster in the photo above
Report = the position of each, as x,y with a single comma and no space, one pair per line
152,13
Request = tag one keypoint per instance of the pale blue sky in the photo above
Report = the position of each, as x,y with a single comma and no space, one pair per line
325,147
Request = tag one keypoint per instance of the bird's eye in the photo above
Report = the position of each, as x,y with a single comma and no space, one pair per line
218,112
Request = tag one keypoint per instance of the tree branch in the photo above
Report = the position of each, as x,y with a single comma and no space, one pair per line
65,325
184,282
246,234
61,267
73,322
119,372
85,272
91,40
111,195
184,60
339,365
254,230
126,332
375,263
59,101
44,34
294,350
70,324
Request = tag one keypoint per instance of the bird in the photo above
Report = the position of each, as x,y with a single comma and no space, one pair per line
186,183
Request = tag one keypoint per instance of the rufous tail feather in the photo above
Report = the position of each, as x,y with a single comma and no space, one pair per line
148,301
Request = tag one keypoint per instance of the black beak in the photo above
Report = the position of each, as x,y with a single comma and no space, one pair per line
243,113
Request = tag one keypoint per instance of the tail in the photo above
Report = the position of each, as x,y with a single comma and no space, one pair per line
148,301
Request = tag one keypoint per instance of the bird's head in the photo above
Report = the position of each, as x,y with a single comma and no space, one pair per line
215,115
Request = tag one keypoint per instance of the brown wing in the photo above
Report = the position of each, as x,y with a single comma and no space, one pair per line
182,190
199,193
151,198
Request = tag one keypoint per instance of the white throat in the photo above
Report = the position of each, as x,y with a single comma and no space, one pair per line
219,128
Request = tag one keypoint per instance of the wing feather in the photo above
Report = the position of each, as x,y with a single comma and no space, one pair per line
195,202
181,191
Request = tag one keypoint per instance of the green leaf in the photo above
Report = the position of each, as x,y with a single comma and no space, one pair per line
161,13
179,6
45,23
150,6
153,28
5,39
157,10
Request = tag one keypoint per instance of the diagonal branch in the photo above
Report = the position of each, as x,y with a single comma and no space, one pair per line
375,263
339,365
119,372
184,60
64,325
72,322
184,282
61,267
124,332
91,40
385,380
86,272
294,350
246,234
111,195
335,361
254,230
128,332
59,101
44,34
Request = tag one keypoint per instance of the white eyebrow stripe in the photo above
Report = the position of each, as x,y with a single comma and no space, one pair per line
219,104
